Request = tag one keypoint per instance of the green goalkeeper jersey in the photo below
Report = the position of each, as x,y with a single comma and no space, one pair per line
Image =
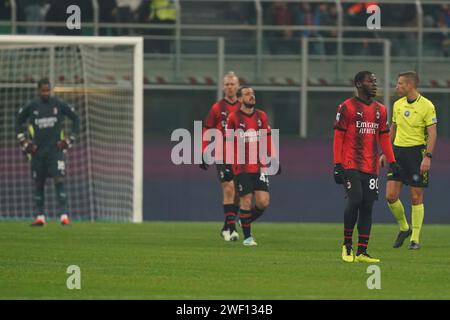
45,120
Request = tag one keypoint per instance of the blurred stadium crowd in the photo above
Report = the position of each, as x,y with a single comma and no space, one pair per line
354,14
275,13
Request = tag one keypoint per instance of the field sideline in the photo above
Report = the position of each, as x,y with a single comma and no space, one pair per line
161,260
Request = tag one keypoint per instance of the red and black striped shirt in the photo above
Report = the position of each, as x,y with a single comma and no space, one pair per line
250,124
217,115
217,119
362,123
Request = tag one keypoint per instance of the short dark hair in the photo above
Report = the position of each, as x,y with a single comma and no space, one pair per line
360,76
411,75
42,82
239,91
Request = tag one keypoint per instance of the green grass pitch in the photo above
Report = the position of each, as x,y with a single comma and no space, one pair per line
160,260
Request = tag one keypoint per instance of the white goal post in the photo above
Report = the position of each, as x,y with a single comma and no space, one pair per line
102,79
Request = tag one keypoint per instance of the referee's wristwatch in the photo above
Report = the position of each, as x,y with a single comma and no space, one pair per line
429,155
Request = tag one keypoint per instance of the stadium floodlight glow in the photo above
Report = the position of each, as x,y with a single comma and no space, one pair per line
102,78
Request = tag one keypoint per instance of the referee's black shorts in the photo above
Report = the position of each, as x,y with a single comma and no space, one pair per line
410,159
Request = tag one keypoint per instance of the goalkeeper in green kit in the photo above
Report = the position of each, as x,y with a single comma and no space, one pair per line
39,130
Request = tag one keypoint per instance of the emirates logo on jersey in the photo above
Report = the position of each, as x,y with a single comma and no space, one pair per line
43,123
250,147
366,127
250,135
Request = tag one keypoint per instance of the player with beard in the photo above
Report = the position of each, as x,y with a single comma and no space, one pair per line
251,177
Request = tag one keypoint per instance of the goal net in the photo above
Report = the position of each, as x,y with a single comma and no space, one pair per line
101,78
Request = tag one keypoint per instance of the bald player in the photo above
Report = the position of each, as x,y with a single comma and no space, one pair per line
217,119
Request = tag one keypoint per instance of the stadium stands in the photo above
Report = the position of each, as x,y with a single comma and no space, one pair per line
280,61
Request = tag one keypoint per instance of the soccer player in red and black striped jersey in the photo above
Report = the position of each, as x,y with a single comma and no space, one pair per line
217,118
360,127
251,179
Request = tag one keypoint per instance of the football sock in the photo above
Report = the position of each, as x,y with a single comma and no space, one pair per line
246,221
417,214
256,213
364,226
62,197
398,211
348,237
39,199
350,217
230,211
363,242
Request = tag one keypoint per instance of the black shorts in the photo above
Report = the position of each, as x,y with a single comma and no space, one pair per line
249,182
48,164
410,159
360,185
224,172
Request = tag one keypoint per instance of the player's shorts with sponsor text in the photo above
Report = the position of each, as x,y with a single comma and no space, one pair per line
410,159
360,185
48,163
249,182
224,172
